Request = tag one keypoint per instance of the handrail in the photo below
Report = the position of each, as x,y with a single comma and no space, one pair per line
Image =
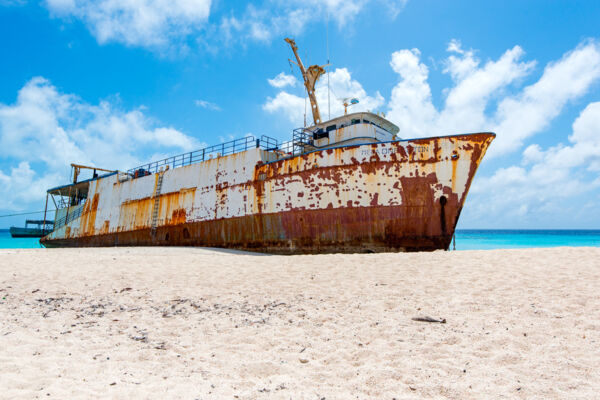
197,156
302,137
69,217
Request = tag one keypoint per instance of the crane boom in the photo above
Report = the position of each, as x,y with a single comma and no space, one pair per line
310,75
77,168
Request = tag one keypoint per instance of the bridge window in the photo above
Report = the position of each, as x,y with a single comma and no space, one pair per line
320,134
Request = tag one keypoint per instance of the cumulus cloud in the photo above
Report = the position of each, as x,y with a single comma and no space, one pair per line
148,23
584,150
475,86
478,88
282,80
290,105
46,130
22,186
411,105
546,177
532,110
342,86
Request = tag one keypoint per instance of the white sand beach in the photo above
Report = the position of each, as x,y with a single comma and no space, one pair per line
189,323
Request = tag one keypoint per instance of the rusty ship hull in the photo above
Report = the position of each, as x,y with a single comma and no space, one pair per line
401,195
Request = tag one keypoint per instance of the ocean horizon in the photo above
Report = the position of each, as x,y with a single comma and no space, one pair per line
464,239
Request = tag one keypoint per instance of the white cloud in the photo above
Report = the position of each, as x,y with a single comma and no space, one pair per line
585,149
282,80
547,178
149,23
528,113
45,131
410,106
277,18
22,186
290,105
208,105
477,87
158,24
342,86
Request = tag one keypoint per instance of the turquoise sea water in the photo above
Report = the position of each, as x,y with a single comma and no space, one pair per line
466,239
7,242
487,239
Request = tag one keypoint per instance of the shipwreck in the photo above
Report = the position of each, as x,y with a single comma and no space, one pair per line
349,184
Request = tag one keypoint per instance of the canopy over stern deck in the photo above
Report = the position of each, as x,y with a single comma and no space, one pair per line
69,199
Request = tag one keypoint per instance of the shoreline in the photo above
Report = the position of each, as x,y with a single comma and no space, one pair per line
201,323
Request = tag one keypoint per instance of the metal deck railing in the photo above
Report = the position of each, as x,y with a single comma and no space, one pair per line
296,146
181,160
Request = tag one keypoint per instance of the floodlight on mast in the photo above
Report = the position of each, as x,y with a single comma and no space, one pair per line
349,101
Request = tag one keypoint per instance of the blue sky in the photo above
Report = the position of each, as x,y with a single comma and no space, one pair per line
118,83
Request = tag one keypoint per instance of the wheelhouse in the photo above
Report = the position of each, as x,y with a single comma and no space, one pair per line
350,129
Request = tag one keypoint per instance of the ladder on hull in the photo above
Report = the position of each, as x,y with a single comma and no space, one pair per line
155,208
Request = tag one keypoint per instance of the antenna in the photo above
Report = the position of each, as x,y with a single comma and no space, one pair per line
305,94
305,110
328,89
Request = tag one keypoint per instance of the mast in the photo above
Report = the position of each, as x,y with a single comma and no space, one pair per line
310,75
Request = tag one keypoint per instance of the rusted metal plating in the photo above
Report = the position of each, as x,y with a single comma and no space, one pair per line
394,196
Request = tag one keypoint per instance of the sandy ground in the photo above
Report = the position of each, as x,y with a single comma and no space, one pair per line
201,324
